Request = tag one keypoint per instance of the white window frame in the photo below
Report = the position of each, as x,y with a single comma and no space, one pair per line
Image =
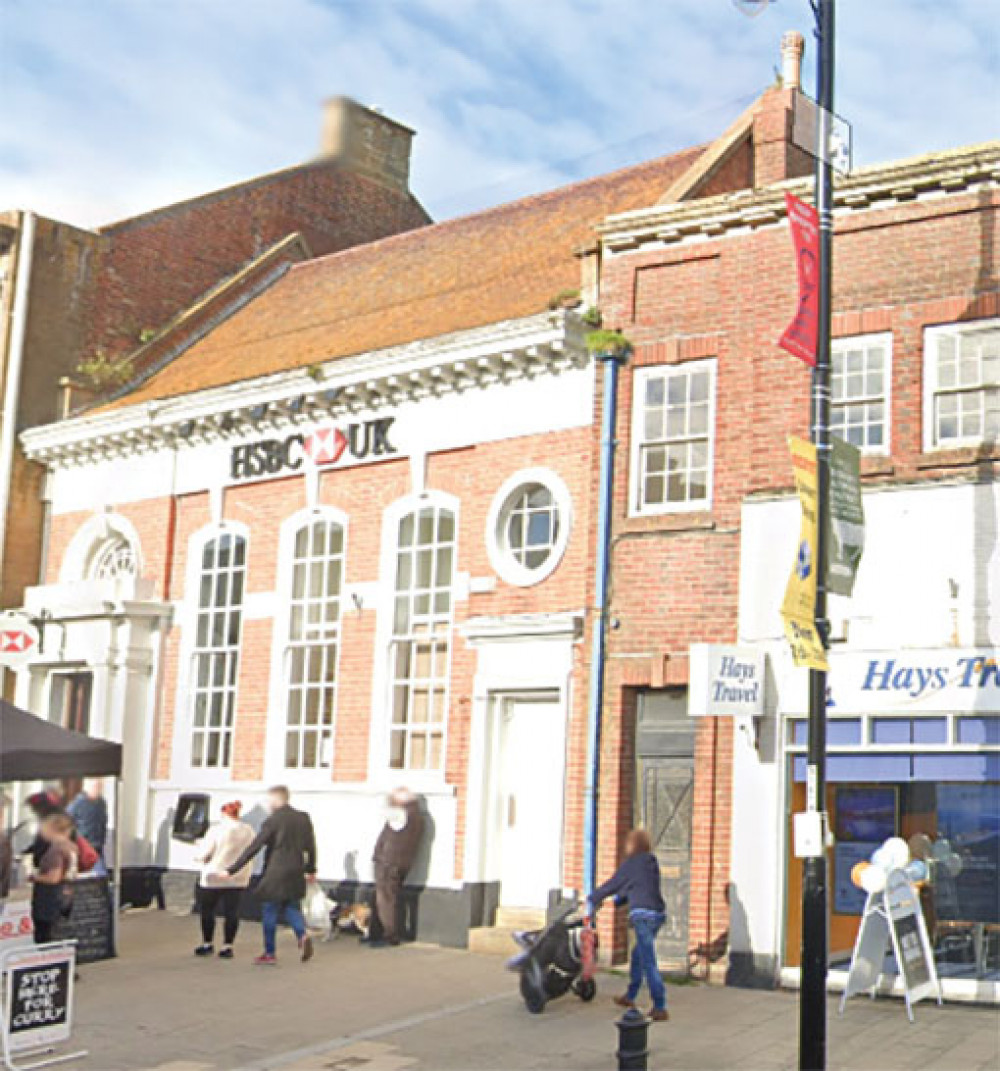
281,657
640,377
850,342
186,678
931,388
507,567
381,772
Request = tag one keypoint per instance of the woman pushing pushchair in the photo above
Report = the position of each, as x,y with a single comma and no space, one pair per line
637,883
561,956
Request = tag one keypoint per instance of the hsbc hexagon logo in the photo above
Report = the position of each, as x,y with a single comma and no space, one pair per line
325,446
18,639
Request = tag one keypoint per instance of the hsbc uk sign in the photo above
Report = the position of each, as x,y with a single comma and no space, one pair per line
323,446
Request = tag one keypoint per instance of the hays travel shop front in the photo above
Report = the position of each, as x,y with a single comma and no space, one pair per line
913,748
938,682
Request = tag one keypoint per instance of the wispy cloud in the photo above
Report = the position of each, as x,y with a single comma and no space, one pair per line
114,106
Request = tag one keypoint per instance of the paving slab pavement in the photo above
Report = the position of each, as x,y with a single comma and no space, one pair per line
158,1008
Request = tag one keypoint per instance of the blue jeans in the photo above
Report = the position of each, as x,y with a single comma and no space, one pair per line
646,925
271,911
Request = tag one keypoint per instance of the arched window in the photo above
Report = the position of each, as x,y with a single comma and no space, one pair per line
219,622
421,637
105,547
313,643
113,559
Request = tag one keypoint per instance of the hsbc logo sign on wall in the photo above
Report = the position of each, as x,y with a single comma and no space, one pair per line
18,639
323,447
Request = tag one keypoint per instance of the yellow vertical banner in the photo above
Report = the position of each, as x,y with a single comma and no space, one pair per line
798,609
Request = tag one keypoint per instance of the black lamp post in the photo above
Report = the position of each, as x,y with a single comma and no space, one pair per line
812,996
812,999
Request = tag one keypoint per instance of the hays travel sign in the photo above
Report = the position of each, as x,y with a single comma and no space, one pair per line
323,446
726,681
939,680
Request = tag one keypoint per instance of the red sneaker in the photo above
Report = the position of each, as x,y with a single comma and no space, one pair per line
265,961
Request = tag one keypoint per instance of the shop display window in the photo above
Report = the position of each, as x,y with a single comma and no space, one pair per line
949,794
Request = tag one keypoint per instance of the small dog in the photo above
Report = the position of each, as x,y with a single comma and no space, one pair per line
350,919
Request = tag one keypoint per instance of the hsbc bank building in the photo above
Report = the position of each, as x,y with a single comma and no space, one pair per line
342,541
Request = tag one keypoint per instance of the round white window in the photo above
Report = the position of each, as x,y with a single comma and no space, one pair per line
528,526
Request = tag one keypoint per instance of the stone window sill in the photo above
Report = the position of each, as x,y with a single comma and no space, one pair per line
960,458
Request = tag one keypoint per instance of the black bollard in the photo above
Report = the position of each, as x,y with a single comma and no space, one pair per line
633,1031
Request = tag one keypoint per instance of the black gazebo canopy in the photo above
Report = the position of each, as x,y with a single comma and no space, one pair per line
32,749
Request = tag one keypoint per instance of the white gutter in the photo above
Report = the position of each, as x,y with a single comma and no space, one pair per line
12,387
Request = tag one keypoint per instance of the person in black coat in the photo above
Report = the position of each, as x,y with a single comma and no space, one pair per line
395,851
289,843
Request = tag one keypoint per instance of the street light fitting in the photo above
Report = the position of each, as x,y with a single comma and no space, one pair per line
752,8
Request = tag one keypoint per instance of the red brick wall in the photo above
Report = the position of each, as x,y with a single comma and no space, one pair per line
153,266
363,493
675,578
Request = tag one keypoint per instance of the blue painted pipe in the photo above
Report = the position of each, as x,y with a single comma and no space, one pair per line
599,637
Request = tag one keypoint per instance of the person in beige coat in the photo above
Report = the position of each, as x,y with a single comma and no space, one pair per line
222,846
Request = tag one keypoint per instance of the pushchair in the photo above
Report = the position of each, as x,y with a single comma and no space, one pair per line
556,959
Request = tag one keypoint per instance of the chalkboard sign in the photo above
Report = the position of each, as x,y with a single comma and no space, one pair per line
91,921
910,940
39,997
912,960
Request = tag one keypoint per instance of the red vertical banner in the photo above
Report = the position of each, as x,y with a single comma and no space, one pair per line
800,337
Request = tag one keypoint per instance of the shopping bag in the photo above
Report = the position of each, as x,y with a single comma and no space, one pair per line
316,907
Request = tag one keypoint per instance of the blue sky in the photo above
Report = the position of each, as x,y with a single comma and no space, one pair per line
114,106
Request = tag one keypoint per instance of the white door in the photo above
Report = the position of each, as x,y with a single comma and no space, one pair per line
532,760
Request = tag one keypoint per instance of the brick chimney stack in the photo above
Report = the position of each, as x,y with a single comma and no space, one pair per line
793,46
367,141
776,157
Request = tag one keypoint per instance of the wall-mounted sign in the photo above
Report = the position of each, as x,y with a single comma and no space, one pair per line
939,680
18,639
725,681
323,446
